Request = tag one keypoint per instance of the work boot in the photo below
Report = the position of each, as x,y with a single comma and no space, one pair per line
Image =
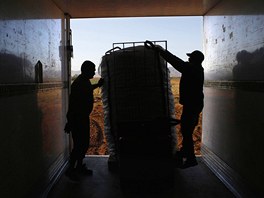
71,171
190,162
178,159
72,174
83,170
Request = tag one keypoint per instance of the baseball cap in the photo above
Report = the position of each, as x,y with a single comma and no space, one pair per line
197,55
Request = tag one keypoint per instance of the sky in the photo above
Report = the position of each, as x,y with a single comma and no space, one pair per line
91,38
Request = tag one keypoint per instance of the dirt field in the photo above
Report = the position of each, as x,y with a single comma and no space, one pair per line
98,144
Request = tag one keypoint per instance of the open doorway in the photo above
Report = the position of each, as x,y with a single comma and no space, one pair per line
93,37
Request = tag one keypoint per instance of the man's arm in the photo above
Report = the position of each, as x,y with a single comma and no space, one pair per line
99,84
176,62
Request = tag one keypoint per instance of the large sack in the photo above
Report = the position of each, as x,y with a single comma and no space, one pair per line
136,89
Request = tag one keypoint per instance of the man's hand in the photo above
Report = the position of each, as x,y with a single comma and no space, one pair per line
100,82
150,45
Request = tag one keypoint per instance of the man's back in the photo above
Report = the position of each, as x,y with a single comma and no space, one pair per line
81,97
191,84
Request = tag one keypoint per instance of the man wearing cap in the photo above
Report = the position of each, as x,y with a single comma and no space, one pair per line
191,97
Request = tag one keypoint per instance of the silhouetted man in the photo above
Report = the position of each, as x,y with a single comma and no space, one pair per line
191,97
80,107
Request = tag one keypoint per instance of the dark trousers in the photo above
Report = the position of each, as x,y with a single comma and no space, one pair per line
189,120
81,141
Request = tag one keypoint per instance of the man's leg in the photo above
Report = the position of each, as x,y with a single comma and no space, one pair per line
189,120
84,143
71,171
187,144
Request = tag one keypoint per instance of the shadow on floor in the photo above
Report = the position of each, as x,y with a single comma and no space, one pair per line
195,182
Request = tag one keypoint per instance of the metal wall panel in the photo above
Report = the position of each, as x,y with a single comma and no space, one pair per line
24,43
234,47
33,95
234,72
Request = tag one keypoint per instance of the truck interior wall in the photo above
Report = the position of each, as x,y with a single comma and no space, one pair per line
234,94
32,108
32,113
